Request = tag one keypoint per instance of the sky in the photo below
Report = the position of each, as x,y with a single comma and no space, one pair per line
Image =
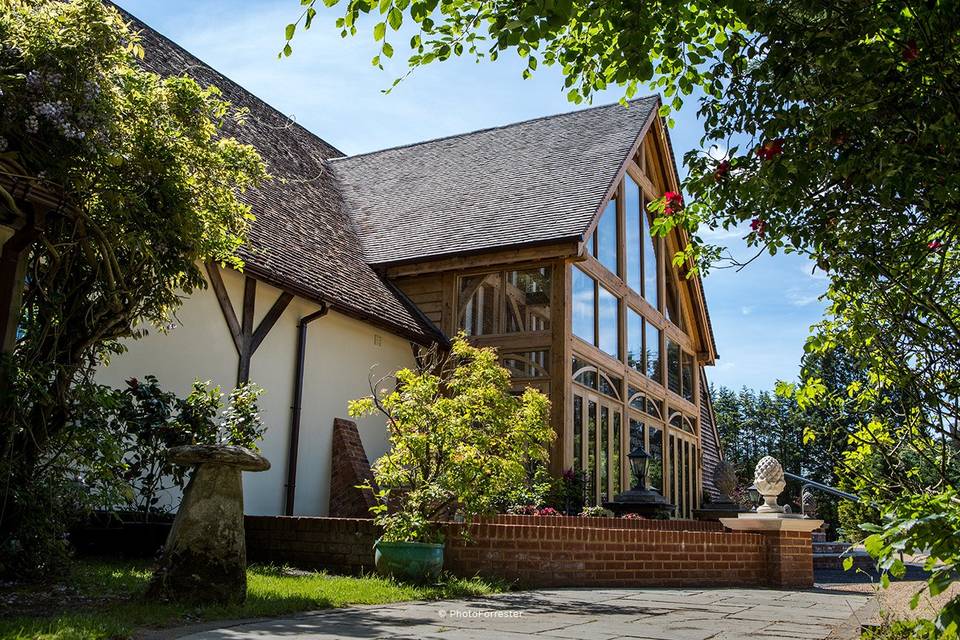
761,315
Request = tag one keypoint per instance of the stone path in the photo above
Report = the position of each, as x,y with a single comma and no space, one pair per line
575,614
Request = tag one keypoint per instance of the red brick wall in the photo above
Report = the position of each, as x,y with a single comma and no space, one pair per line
593,557
789,559
343,545
610,523
350,468
584,552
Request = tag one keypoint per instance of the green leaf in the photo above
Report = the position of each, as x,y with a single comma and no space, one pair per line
291,30
847,563
388,49
395,18
287,50
379,31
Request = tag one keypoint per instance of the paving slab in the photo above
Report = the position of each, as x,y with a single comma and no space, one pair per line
575,614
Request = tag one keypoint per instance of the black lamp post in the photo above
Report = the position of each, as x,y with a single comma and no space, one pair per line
754,494
639,461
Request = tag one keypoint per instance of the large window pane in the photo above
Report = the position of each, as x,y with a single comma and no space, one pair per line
584,302
528,364
636,442
635,354
604,452
591,451
654,370
608,307
527,300
615,467
577,433
686,372
606,238
632,212
673,366
649,263
673,308
655,467
479,297
584,373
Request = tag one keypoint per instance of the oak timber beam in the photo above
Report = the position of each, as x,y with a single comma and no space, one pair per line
246,338
486,259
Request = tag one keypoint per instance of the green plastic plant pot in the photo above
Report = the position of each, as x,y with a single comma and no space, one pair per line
416,561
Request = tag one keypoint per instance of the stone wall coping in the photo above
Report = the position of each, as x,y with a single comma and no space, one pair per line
755,522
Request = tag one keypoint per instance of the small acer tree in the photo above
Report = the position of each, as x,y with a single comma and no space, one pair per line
459,441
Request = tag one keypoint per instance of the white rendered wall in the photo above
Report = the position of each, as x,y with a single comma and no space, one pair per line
340,353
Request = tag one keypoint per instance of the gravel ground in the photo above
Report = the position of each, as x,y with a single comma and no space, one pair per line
892,603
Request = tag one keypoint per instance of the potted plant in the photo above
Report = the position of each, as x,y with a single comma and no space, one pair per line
459,441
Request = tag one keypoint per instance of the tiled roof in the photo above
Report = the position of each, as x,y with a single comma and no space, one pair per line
536,181
302,240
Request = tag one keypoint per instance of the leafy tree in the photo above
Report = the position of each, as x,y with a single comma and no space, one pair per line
149,188
831,127
148,421
459,441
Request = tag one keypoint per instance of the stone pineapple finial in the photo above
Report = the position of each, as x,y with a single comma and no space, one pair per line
770,482
725,480
808,504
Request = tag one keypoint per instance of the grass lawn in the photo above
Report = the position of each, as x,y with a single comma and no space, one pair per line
102,599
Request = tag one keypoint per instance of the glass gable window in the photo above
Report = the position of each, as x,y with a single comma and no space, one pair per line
608,311
673,366
635,354
584,304
632,211
527,300
673,309
654,368
605,240
686,375
649,263
479,302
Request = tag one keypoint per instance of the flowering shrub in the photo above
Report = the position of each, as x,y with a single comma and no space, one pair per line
596,512
632,516
548,511
522,510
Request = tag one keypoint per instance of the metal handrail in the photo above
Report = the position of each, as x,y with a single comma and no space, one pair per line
820,487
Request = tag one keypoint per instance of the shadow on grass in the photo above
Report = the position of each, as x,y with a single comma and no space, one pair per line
104,599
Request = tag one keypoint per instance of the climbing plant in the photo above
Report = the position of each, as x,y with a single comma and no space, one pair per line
147,187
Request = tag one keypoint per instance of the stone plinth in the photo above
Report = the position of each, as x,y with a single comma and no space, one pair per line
788,543
204,559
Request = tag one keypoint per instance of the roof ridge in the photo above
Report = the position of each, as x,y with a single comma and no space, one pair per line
140,24
494,128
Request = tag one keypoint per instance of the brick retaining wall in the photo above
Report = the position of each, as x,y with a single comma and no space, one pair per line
563,551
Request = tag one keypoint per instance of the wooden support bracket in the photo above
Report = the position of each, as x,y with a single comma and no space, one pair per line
246,338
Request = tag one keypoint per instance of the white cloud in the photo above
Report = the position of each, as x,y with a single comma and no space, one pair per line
799,298
747,310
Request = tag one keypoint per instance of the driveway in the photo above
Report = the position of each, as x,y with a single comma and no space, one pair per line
594,614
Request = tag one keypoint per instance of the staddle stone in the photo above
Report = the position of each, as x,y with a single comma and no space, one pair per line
205,557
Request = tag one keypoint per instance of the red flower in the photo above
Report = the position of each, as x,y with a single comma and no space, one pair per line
770,149
721,171
759,226
674,203
911,52
934,245
548,511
